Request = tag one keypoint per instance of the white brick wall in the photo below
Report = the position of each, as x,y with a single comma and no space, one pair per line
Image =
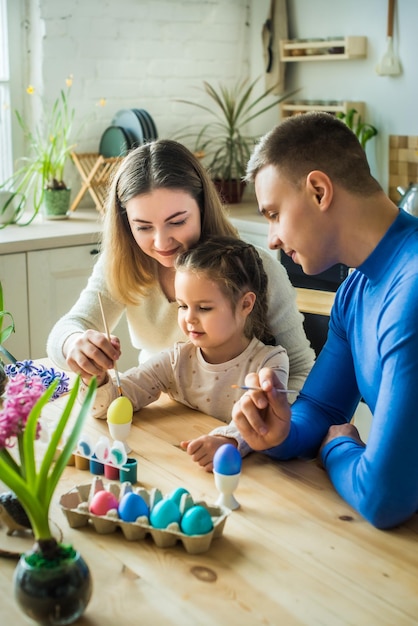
137,53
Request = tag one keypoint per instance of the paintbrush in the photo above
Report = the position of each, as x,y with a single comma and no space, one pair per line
260,389
108,336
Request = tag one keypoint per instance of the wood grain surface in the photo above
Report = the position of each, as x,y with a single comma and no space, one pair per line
293,553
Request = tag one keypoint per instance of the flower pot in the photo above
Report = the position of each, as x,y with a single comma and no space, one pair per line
230,191
52,593
56,204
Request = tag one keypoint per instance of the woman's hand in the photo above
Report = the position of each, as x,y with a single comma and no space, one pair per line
262,417
202,449
91,353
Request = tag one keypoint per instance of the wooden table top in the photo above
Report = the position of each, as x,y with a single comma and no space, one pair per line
293,553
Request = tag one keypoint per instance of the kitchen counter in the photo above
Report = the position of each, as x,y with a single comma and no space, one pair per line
82,227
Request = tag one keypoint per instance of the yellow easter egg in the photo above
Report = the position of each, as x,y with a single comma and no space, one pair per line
120,411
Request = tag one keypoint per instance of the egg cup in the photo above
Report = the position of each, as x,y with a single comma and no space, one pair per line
120,432
226,485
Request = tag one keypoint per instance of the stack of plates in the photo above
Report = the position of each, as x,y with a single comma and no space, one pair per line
130,128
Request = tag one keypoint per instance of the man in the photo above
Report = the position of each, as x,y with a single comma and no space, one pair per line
313,184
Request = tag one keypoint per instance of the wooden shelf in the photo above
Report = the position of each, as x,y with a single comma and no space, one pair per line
330,106
344,48
96,173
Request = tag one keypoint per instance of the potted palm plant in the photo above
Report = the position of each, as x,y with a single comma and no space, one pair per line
224,142
38,181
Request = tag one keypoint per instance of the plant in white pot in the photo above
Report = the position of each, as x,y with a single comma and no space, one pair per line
224,142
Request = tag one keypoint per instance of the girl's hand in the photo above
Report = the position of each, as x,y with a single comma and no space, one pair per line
262,417
203,448
91,353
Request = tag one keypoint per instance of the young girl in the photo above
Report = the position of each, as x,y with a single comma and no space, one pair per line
221,289
161,202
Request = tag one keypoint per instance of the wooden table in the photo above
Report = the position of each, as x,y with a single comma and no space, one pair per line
294,553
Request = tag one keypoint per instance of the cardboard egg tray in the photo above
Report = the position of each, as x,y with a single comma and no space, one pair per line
75,506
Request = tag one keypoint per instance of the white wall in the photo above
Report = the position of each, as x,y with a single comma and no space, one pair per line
133,53
391,102
147,53
137,53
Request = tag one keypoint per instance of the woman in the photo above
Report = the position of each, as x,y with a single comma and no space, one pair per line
161,202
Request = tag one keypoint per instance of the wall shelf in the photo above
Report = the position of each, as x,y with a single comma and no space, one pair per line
330,106
340,48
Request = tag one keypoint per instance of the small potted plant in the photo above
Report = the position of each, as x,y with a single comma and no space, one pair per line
224,142
39,180
33,478
52,582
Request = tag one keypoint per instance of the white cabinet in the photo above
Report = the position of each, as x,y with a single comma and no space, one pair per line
15,295
39,287
55,280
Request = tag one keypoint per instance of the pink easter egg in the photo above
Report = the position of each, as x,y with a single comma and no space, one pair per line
102,502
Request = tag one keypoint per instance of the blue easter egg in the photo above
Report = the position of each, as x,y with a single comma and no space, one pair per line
196,521
227,460
164,513
177,494
132,506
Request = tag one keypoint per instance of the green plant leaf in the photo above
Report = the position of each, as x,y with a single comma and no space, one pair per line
224,141
70,444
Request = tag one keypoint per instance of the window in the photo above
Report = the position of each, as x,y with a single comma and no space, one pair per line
5,109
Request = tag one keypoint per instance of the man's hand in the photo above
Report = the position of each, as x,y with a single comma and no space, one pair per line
202,449
262,417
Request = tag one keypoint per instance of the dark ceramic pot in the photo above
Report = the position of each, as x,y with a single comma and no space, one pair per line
55,595
230,191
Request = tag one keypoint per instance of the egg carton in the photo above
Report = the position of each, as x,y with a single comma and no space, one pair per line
75,506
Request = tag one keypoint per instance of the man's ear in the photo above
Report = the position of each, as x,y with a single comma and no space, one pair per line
320,187
247,302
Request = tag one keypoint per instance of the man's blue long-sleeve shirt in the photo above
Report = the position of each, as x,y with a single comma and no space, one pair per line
371,352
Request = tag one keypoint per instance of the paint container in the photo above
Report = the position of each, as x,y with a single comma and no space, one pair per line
128,472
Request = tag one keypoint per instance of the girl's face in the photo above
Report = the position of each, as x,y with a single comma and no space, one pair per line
207,318
164,223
